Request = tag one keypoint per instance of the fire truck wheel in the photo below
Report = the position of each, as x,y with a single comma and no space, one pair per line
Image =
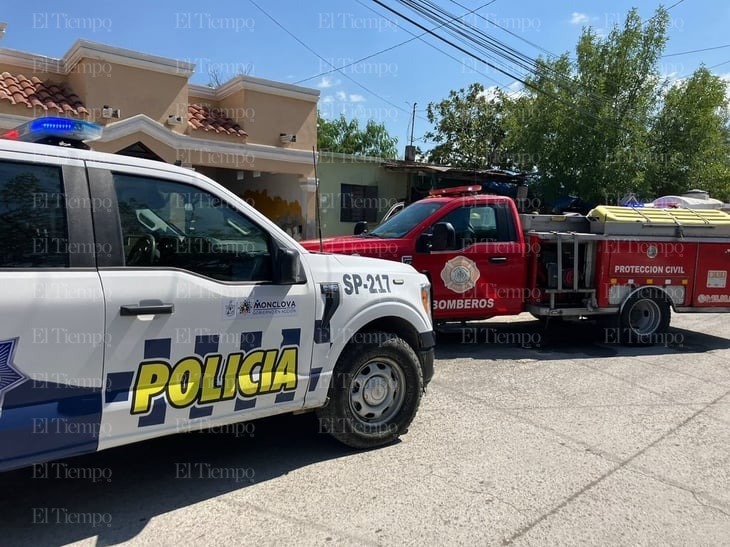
644,318
374,393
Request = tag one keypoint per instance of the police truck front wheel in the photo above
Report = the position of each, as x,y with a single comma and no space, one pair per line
644,318
375,391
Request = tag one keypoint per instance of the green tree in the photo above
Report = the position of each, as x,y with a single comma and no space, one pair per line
469,129
345,137
690,139
584,124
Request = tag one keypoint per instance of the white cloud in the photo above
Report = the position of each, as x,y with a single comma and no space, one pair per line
326,83
513,90
489,93
578,18
343,97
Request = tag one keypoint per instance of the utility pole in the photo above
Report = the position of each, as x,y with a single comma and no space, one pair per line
413,121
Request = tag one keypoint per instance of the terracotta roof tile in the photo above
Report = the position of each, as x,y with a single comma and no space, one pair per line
212,119
32,92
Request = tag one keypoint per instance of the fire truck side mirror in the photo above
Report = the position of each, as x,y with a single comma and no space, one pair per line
443,237
360,228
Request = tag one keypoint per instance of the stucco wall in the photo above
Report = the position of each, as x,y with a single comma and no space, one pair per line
337,169
271,115
131,90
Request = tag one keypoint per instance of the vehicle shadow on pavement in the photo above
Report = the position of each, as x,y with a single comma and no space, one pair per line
532,340
113,494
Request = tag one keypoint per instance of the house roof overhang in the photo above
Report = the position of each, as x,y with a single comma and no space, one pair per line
86,49
453,172
184,143
144,124
241,82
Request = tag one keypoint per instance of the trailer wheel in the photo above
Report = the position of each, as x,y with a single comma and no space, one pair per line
375,392
644,318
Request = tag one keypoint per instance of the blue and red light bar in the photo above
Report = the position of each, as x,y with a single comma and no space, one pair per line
54,128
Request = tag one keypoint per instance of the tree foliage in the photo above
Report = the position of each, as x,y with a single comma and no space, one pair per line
600,125
588,134
469,128
345,137
689,139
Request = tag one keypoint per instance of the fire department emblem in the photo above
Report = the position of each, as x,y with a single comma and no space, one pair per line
460,274
9,375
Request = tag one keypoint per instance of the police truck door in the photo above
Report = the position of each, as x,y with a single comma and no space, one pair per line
199,333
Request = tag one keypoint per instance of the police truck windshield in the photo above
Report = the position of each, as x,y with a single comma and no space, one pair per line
406,220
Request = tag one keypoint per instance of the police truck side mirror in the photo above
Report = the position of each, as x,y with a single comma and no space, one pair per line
360,228
443,236
288,268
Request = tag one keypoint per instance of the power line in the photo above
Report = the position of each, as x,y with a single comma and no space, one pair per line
470,54
493,46
500,46
415,37
695,51
719,64
496,49
441,51
300,42
675,4
536,46
454,18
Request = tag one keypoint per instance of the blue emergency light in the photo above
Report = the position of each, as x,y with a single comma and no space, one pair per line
51,130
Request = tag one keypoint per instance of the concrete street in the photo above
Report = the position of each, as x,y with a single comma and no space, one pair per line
523,438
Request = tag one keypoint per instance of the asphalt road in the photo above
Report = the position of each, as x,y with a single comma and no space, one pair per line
523,438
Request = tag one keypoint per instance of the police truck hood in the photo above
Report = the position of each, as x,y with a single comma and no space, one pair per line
347,264
353,245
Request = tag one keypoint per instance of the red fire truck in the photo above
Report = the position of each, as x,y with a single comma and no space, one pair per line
484,259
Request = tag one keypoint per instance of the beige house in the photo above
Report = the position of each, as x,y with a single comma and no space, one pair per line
252,135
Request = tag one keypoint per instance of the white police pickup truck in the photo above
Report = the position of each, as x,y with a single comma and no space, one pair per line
139,299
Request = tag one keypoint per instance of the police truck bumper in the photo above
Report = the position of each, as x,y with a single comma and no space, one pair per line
426,345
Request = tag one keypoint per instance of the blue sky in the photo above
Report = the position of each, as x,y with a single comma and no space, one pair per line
233,37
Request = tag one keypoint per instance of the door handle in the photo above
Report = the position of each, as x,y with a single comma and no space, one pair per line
147,307
498,259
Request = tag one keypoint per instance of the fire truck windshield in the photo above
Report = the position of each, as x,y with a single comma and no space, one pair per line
406,220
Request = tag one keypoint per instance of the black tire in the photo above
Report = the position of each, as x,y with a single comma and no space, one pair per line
375,391
644,319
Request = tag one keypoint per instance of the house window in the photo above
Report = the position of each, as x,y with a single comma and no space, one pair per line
358,203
